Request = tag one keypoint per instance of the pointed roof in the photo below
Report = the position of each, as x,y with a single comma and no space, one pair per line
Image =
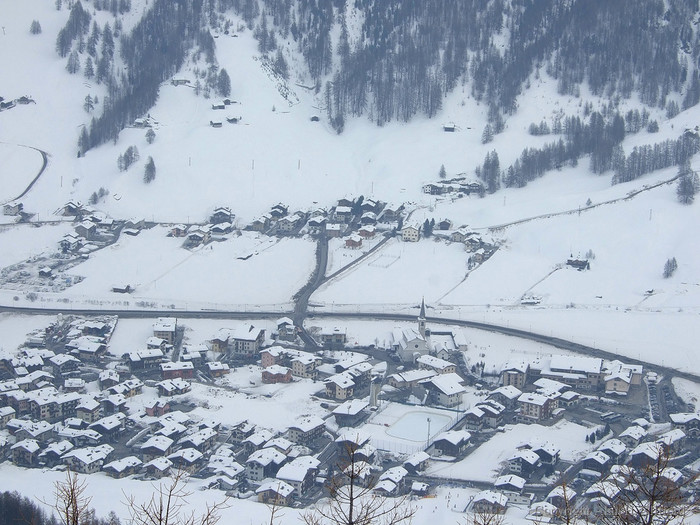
422,309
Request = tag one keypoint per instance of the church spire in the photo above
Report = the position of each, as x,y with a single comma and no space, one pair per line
421,318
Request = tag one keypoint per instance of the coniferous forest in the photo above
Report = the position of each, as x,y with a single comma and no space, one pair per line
402,58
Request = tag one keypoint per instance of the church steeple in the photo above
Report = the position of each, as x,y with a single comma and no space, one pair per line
421,318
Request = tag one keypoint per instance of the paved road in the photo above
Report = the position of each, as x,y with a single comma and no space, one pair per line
45,162
557,342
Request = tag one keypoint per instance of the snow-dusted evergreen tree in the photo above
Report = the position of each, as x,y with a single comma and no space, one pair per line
688,184
35,27
223,85
150,136
670,267
149,172
73,64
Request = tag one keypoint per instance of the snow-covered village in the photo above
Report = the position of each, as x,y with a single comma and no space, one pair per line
338,262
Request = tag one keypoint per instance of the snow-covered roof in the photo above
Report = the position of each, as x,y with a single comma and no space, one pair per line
454,437
298,469
509,391
448,384
266,456
351,407
275,485
492,497
120,465
510,479
308,423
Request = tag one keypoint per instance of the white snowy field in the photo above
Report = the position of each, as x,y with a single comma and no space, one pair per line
339,256
486,462
405,429
20,242
15,329
19,166
212,276
399,272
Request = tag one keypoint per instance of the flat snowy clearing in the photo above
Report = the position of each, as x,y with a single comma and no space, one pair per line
486,462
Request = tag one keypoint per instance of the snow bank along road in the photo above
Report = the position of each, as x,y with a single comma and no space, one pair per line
556,342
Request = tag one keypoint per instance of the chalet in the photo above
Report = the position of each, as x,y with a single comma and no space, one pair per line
343,214
231,119
561,496
155,447
597,461
256,440
534,407
488,501
245,340
547,452
202,440
12,208
194,354
72,209
506,395
450,128
70,242
286,331
672,441
579,264
451,443
307,430
279,210
410,233
216,123
633,435
340,386
299,474
113,403
515,373
445,389
25,453
86,230
291,223
261,223
123,467
107,378
512,487
351,412
689,423
305,365
353,242
110,426
444,225
274,492
179,81
334,230
524,462
264,463
367,232
51,455
314,118
409,379
317,224
614,449
276,374
88,460
417,462
158,467
440,366
186,460
129,388
217,368
368,218
218,105
74,384
197,236
64,364
173,387
7,413
584,373
165,328
493,413
335,338
179,230
156,408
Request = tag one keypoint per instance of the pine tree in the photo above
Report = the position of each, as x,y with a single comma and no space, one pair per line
442,174
89,68
73,65
688,184
35,28
89,104
224,83
149,173
427,229
83,141
150,136
487,135
670,267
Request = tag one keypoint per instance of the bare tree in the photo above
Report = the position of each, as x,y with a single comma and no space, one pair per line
70,501
353,501
168,505
567,511
654,494
485,518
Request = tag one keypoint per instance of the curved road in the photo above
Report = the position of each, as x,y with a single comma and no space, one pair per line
45,162
556,342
